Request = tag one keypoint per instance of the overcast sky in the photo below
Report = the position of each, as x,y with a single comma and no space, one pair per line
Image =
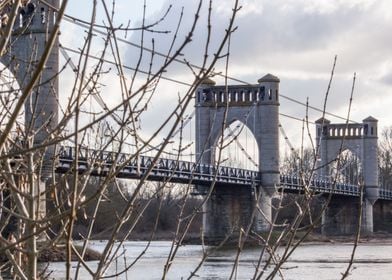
295,40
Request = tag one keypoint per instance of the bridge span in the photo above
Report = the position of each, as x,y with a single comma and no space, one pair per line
128,166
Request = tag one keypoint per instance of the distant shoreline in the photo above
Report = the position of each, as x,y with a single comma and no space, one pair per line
194,239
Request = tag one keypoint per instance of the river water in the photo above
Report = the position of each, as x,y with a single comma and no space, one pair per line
309,262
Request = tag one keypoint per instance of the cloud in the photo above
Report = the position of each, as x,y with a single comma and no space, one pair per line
387,79
296,40
292,37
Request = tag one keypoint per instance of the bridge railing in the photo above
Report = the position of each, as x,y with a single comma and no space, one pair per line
135,167
385,194
294,182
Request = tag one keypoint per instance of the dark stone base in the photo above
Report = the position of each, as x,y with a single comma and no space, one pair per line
341,216
227,211
382,214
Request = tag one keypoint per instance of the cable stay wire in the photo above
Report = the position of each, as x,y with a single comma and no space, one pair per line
117,119
81,23
68,49
101,103
233,132
287,140
124,66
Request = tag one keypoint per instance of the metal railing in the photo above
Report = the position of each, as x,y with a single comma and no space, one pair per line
100,163
135,167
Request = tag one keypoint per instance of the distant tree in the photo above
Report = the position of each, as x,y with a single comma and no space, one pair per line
347,168
299,163
385,157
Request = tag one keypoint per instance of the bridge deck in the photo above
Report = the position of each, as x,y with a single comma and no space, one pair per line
128,166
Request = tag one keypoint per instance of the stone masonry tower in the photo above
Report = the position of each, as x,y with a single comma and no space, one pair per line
29,39
257,107
361,139
30,34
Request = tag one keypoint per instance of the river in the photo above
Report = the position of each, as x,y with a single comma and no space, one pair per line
309,261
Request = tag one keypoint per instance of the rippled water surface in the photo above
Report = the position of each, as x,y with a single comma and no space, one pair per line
310,261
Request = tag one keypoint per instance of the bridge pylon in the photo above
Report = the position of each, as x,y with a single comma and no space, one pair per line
341,215
229,209
29,41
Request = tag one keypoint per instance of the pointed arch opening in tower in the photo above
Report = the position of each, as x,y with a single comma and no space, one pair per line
237,147
9,94
347,168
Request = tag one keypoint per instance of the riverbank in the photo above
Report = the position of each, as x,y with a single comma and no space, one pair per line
374,238
194,239
58,254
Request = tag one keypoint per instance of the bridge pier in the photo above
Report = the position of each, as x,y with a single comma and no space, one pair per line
341,216
226,212
367,217
230,209
263,213
382,216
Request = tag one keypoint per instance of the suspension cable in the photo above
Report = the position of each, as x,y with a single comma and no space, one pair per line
101,102
82,24
144,72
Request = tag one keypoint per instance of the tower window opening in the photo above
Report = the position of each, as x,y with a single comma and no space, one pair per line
325,130
43,15
262,93
365,129
26,15
21,18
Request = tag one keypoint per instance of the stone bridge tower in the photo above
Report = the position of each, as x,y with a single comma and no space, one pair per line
361,139
230,208
30,34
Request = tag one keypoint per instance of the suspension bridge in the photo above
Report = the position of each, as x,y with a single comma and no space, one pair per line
254,106
100,163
